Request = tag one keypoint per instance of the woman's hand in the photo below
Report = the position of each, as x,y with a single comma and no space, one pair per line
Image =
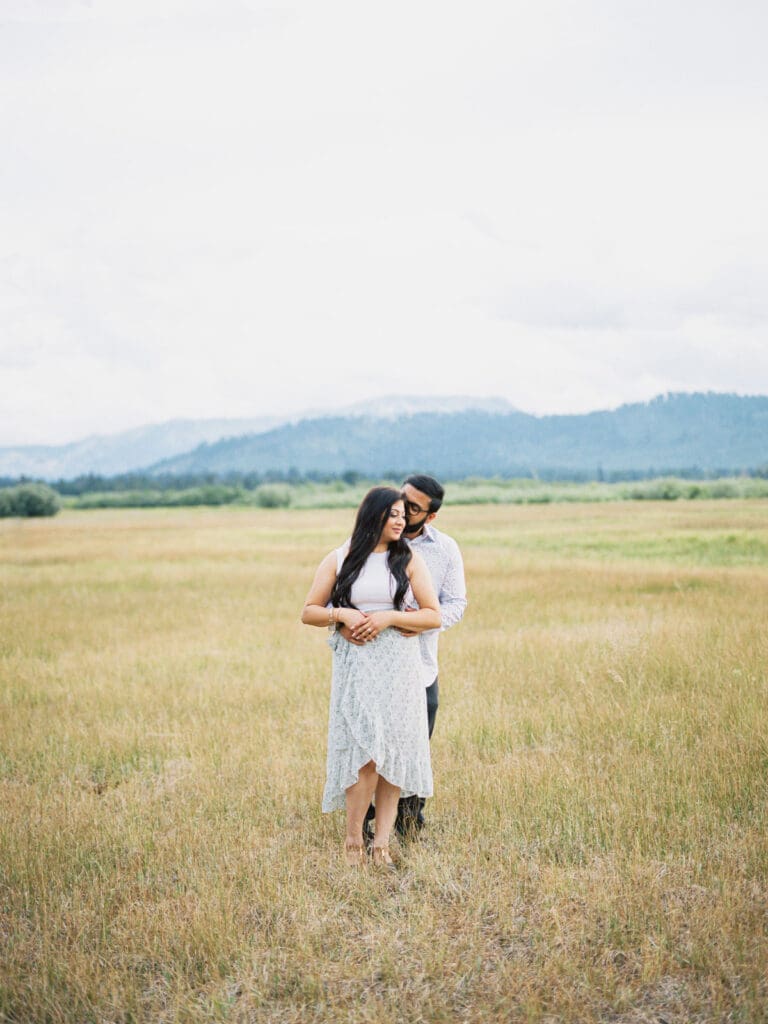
351,618
372,626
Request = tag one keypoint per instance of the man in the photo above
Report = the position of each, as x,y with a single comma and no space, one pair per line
423,498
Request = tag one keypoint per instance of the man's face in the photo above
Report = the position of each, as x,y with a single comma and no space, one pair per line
417,511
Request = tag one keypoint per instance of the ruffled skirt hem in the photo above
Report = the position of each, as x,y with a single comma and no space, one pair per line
378,713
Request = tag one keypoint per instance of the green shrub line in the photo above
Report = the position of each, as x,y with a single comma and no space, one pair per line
37,499
211,495
472,491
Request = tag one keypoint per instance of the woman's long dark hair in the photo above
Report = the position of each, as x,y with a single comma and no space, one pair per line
371,519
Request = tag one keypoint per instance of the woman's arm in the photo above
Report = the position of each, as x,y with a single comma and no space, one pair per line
316,611
426,617
424,591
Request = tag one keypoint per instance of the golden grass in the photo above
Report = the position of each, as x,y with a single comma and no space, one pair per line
597,842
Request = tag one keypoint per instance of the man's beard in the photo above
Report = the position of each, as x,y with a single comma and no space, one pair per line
412,529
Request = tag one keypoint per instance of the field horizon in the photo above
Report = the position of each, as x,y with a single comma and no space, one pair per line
596,848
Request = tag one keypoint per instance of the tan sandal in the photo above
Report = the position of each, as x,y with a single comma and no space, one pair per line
382,858
354,856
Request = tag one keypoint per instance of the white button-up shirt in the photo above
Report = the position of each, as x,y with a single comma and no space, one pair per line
443,558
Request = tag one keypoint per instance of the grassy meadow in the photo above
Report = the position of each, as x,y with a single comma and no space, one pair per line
597,846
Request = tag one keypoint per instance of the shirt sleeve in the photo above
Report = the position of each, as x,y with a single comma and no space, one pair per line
453,591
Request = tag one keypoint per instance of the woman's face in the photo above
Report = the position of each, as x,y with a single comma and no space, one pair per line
394,524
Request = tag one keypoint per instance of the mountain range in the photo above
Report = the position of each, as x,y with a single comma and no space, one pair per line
451,437
123,452
672,433
134,450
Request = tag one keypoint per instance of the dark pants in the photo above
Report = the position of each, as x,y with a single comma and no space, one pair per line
410,809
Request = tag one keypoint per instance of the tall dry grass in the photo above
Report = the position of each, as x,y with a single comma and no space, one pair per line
597,842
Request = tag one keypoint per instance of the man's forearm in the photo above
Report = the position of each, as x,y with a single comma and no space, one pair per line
452,611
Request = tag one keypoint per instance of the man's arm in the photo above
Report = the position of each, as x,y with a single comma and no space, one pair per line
453,592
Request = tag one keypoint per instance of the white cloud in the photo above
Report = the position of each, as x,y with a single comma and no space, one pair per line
233,208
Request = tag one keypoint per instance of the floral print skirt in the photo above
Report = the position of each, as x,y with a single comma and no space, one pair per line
378,713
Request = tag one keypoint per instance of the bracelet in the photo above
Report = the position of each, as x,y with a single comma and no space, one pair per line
332,616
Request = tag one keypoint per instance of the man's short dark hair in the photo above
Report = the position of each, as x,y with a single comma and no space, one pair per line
429,486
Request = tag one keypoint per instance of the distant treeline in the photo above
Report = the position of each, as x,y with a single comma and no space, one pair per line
36,499
93,483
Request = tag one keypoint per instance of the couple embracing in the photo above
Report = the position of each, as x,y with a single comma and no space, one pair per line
385,595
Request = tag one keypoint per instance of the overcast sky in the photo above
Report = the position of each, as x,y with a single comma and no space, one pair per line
235,208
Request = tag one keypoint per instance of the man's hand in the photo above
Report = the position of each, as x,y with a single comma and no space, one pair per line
346,632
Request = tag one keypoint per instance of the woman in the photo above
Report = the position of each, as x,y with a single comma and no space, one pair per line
378,746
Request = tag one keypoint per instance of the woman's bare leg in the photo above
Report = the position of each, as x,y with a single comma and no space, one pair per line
359,798
386,810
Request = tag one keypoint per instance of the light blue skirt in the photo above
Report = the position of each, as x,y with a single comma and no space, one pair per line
378,713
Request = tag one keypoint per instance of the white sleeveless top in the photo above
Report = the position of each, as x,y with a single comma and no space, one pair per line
374,589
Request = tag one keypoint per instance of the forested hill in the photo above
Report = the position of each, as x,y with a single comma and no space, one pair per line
708,432
131,451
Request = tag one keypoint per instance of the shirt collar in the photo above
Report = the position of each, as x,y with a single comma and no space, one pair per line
428,533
